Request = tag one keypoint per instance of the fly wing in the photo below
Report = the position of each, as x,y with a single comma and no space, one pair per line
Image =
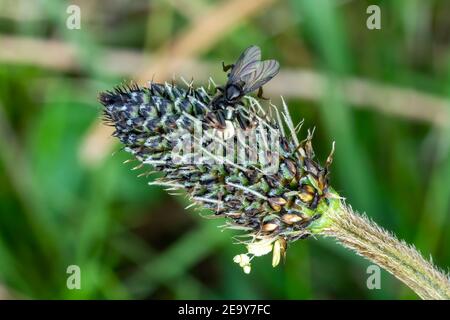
264,71
247,63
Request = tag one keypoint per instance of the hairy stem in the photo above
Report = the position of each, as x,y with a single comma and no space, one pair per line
362,235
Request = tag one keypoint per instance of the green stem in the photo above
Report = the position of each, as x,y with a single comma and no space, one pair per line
367,239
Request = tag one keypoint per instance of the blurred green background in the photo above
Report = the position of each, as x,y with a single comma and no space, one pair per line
382,95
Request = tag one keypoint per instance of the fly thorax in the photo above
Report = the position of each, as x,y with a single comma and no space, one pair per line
233,92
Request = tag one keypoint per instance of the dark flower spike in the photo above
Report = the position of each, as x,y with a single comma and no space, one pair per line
163,125
262,180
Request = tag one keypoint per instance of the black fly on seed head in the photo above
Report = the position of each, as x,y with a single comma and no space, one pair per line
273,208
246,75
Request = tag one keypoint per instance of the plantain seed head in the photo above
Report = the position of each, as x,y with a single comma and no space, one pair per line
263,181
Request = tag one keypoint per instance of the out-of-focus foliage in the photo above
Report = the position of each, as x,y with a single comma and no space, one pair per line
135,241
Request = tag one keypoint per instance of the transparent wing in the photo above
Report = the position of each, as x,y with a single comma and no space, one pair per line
247,63
264,71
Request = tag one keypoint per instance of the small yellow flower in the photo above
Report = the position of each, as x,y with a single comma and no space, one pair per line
260,248
247,269
242,259
279,249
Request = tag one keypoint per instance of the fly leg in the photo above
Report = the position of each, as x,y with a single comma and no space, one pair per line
260,94
226,67
215,119
218,88
220,115
244,123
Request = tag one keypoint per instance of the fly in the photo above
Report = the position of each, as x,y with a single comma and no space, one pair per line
246,75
